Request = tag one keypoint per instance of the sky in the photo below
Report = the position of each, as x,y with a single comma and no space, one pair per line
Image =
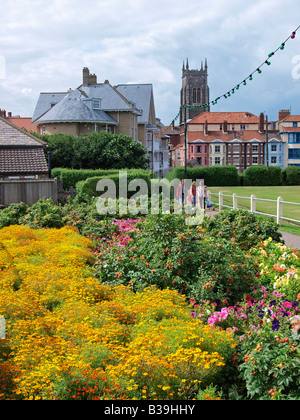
44,45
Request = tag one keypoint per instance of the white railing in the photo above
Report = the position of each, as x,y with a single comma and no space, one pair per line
253,200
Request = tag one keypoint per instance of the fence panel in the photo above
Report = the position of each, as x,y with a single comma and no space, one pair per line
279,212
27,191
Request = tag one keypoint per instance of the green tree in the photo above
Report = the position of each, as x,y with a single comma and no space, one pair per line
97,150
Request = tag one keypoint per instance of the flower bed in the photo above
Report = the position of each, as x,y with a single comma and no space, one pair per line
147,308
70,337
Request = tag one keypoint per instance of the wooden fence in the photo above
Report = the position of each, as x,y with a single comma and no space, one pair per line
28,191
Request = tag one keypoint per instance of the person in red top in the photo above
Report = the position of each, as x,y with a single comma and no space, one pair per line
193,193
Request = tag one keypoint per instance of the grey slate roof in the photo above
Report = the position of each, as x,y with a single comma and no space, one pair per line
142,95
111,98
46,101
74,107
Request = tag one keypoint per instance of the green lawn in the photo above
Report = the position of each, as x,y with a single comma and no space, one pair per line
288,193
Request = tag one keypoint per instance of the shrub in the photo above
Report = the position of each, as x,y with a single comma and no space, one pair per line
256,175
165,252
242,227
212,175
11,214
261,175
71,177
291,175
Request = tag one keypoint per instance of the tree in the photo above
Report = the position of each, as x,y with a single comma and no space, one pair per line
95,151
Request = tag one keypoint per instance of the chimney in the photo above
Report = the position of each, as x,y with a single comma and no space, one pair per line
93,79
9,114
206,128
261,128
225,127
85,76
283,113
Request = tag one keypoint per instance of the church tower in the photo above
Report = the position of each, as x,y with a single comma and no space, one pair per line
194,91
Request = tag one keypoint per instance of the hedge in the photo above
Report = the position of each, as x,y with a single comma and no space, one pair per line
260,175
214,176
87,188
291,175
72,176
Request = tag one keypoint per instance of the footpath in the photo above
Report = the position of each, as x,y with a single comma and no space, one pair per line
290,240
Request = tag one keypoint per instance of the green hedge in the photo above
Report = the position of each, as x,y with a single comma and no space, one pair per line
87,188
291,175
72,176
262,176
214,176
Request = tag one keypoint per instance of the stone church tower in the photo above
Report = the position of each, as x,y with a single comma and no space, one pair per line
195,91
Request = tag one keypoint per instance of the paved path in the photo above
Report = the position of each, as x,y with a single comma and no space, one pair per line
291,241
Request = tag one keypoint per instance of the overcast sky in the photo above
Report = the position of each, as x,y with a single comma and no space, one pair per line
44,44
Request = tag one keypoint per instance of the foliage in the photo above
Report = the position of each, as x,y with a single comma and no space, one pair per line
71,177
97,150
263,175
242,227
212,175
71,337
291,175
166,252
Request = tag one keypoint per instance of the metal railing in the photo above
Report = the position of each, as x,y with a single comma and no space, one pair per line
253,200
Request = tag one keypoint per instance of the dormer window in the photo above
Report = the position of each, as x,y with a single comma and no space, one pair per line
96,103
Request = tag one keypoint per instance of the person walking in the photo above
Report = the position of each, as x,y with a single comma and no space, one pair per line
180,192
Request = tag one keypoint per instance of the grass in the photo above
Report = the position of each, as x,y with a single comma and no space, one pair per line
288,193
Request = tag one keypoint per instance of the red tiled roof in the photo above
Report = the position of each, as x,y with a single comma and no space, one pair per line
230,117
291,129
290,118
30,160
23,123
244,135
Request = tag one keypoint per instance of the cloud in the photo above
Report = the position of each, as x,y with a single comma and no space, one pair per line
45,45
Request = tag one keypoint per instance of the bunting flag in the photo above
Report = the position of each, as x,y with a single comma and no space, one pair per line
236,88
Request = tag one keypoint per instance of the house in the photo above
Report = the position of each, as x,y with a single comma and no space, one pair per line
92,107
22,122
149,126
21,154
230,138
289,131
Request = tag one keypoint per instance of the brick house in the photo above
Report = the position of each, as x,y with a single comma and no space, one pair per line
228,138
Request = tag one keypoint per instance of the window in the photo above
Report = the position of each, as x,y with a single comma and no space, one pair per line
273,148
221,127
294,153
199,160
295,124
294,138
96,104
217,149
273,160
217,161
236,161
255,148
254,160
199,149
236,148
43,130
242,127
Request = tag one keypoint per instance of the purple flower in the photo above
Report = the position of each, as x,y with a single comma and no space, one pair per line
275,324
